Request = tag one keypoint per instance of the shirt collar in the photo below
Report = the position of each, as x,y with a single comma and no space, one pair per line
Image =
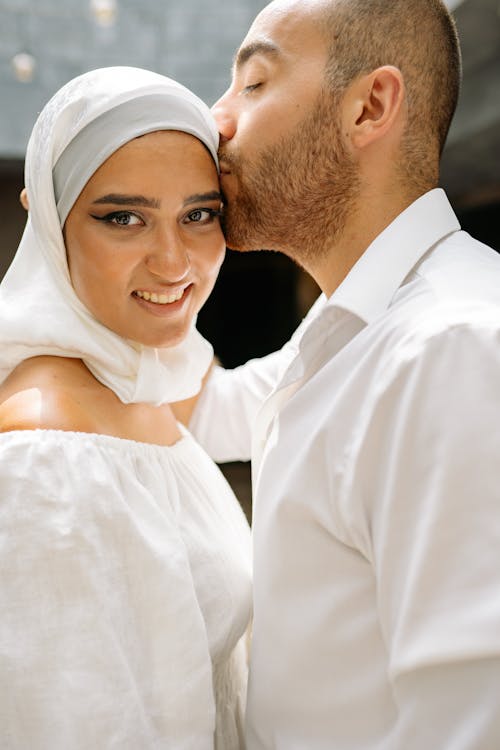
372,282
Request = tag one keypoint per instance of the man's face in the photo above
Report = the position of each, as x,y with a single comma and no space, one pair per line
281,147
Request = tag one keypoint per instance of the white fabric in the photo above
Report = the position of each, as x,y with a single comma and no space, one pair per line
105,134
124,595
377,503
239,395
39,310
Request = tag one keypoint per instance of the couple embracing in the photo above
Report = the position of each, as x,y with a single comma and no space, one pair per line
374,433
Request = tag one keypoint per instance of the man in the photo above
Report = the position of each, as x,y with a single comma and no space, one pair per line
376,450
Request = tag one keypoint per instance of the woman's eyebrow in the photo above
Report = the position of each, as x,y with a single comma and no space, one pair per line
119,199
213,195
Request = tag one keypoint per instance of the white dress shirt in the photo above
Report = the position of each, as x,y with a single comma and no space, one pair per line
377,501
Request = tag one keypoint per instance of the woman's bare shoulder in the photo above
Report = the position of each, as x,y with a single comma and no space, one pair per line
59,393
45,393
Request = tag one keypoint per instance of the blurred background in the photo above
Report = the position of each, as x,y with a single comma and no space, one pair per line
260,297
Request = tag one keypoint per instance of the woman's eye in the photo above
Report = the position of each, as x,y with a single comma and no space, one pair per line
124,218
202,216
120,218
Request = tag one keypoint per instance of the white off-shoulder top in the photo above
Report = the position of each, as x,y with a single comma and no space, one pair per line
124,596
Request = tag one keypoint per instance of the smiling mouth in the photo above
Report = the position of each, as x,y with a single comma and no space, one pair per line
160,299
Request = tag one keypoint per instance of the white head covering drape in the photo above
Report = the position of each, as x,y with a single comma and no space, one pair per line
40,313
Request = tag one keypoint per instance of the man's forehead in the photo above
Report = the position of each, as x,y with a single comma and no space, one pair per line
289,6
287,10
256,46
281,26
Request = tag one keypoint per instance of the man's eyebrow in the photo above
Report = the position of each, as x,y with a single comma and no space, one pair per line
119,199
213,195
254,48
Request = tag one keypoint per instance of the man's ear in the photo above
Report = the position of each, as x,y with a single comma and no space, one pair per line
374,105
23,199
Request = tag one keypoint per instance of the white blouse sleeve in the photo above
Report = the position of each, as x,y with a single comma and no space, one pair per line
102,644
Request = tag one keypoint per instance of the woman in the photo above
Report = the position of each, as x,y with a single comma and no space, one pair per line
124,557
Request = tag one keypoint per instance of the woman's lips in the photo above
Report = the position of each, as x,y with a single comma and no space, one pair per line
162,303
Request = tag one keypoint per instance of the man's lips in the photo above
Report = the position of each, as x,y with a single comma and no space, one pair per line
224,167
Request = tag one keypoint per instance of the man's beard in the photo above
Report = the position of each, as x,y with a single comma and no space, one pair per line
296,197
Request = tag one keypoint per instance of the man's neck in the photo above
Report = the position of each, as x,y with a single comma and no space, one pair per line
368,219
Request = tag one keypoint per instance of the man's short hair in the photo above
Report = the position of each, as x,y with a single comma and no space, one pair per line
417,36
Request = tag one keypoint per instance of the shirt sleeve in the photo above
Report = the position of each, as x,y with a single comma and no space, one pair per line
102,644
224,417
225,414
430,496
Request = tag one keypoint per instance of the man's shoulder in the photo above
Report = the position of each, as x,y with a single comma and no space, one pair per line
457,282
461,269
450,302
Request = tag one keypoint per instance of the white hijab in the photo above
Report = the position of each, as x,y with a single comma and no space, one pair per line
80,127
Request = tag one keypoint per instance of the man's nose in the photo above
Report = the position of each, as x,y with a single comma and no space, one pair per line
225,117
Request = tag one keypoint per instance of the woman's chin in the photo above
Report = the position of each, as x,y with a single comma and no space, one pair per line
162,341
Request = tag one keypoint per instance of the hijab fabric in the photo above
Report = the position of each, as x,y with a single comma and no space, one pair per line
40,314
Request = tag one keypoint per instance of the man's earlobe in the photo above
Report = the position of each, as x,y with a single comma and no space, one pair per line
23,199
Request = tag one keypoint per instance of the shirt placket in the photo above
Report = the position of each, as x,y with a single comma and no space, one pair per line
325,338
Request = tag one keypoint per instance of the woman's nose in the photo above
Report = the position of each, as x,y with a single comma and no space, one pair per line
225,117
169,260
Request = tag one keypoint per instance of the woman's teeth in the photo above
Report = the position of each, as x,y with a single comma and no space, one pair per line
160,299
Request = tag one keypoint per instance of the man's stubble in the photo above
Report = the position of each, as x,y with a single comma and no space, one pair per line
296,197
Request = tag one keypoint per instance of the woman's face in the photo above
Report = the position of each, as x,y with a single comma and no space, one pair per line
143,240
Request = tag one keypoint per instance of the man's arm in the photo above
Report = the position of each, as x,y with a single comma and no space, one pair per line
222,416
431,505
